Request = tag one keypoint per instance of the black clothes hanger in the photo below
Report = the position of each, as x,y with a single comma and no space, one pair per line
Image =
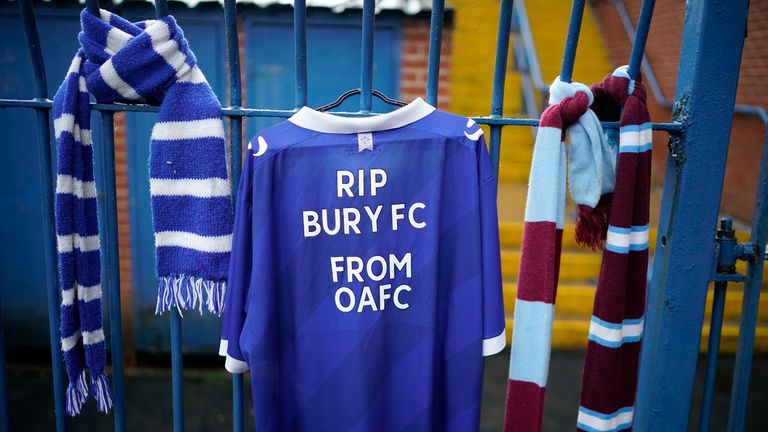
349,93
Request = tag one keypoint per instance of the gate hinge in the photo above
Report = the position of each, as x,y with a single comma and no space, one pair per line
728,251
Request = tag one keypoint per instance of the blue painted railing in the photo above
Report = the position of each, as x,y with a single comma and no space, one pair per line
688,217
534,91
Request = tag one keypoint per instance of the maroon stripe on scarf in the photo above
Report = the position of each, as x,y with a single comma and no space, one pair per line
622,208
609,378
610,373
525,399
539,262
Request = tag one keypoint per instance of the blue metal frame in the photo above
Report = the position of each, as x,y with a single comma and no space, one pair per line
236,139
694,178
44,150
751,301
5,420
684,254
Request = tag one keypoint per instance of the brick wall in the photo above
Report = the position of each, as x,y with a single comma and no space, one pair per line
663,51
414,59
124,239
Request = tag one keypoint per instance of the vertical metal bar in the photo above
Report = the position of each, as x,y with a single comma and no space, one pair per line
499,78
750,303
235,139
692,189
233,53
435,46
93,7
366,79
713,348
161,9
177,373
235,89
4,414
300,40
110,268
237,402
572,40
641,37
46,186
177,356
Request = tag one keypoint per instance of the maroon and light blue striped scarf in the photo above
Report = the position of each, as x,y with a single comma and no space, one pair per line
616,326
616,329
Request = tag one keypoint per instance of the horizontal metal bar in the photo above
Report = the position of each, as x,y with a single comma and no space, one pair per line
672,127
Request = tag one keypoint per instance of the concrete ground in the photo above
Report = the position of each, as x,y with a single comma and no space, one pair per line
207,396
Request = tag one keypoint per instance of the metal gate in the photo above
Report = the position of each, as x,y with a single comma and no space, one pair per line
688,253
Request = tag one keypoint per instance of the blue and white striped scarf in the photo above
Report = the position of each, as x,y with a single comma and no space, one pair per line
125,62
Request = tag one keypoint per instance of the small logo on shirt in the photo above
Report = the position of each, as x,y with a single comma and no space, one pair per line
364,141
262,147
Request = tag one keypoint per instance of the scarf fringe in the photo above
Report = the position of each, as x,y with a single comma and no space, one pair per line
185,292
592,223
101,392
76,394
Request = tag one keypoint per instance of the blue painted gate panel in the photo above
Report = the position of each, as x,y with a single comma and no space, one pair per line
333,62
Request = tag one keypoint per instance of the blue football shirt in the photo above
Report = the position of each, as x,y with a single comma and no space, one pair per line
365,285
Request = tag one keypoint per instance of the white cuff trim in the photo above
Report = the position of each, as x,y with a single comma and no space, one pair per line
231,364
495,344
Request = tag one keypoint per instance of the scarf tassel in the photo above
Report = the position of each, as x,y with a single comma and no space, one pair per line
101,392
592,223
185,292
77,394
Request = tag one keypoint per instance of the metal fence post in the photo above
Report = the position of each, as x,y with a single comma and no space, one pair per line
435,46
705,97
235,139
44,149
300,41
750,302
107,210
366,69
572,40
4,414
499,80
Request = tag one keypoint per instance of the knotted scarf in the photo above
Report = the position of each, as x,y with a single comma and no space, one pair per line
590,168
616,328
125,62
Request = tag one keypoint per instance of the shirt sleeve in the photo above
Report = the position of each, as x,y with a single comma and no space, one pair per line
494,331
238,280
